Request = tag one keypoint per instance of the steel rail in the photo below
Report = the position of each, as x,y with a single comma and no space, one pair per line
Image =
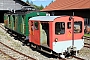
17,51
7,55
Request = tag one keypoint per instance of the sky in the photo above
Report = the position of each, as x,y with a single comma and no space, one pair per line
39,2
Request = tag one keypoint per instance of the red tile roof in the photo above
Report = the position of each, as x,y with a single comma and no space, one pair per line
68,5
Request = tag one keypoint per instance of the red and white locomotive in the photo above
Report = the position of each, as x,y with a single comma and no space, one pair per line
61,34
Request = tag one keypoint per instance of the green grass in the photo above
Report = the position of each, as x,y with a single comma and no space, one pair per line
88,35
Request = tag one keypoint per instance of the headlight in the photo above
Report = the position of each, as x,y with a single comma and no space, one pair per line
56,39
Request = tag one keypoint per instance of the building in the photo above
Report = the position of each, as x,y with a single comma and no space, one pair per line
10,5
70,7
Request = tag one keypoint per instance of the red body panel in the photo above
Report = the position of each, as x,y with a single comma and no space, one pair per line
51,34
34,35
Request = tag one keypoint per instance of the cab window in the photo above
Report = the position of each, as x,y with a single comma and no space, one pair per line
69,25
36,25
77,27
59,28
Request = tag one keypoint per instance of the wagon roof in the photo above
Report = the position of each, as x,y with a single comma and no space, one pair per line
44,18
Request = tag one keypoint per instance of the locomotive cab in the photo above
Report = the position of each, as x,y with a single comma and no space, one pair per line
58,33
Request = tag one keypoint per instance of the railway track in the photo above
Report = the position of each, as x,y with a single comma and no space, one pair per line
72,58
87,38
2,26
78,58
4,54
13,54
87,45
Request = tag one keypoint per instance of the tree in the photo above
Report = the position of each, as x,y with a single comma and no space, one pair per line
31,3
37,7
51,1
41,7
27,2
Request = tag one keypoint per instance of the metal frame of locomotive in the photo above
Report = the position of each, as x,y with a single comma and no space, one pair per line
61,35
17,22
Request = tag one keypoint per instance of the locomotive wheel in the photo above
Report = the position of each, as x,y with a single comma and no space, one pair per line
23,44
62,56
27,44
37,48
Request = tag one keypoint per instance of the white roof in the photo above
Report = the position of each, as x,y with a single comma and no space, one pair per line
44,18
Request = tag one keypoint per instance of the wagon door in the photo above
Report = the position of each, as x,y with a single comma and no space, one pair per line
34,32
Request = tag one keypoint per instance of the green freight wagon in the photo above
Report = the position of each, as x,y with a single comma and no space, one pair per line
17,23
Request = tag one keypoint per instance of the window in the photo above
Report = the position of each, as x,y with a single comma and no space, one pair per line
59,28
77,27
69,25
9,19
36,25
14,20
